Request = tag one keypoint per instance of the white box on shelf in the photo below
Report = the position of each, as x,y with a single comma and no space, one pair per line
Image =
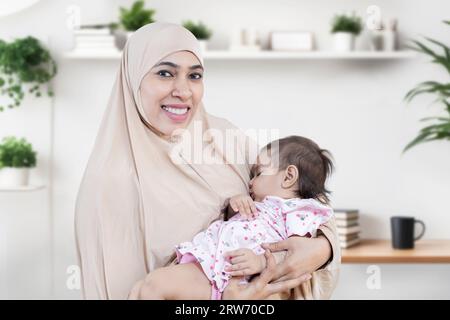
291,41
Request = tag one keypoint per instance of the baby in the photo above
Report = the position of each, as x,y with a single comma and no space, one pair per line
287,198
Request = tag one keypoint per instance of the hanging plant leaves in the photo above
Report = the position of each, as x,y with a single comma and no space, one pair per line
24,62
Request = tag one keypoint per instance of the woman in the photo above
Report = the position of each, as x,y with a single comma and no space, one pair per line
142,194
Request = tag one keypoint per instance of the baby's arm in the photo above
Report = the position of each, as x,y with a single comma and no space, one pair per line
244,262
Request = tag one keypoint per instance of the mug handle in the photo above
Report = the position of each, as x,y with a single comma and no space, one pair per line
423,229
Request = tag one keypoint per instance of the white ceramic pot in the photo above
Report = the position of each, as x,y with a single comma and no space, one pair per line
203,45
343,41
14,177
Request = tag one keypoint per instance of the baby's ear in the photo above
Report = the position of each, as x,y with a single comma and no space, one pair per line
291,176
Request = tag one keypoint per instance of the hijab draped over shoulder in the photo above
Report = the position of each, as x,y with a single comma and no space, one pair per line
142,193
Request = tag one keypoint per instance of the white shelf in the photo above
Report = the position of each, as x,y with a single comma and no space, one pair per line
267,55
94,55
278,55
22,189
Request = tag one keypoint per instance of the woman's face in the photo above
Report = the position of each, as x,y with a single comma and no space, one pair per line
172,90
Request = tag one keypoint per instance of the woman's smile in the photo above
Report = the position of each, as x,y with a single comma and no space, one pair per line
176,112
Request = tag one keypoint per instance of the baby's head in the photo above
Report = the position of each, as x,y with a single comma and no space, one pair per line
292,167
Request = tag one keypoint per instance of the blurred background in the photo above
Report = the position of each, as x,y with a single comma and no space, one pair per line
334,71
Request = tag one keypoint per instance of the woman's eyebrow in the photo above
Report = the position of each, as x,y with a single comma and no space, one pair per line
174,65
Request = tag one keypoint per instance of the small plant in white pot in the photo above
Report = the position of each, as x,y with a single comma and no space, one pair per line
200,31
16,158
344,29
135,17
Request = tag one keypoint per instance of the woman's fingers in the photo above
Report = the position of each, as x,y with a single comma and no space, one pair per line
268,273
287,276
282,286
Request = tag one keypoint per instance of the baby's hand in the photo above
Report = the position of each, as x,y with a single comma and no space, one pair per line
244,262
244,204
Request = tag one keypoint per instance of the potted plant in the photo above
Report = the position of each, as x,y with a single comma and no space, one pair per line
344,29
16,158
24,62
200,31
135,17
439,128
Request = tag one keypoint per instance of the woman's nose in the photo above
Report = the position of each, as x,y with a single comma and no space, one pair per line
182,90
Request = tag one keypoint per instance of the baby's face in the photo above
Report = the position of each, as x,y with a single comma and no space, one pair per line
267,179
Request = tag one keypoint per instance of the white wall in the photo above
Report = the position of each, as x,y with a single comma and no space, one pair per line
353,108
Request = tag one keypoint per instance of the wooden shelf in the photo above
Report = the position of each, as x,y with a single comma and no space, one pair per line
22,189
381,251
265,55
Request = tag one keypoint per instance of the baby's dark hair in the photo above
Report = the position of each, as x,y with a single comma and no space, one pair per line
313,163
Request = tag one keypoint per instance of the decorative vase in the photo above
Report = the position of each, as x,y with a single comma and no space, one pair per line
14,177
203,44
344,41
377,40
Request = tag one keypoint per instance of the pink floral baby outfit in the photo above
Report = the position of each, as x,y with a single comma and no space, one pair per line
277,219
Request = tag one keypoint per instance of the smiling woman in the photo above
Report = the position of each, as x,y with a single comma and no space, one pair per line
172,91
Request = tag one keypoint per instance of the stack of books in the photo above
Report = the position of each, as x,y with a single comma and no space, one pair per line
347,227
94,40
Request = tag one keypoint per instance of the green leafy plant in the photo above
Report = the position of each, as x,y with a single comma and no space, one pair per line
346,23
16,153
199,30
136,17
24,61
439,129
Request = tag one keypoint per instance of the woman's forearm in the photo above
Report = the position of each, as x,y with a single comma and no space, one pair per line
323,254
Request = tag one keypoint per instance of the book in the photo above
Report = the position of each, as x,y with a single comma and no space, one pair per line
350,243
348,237
347,223
349,230
346,214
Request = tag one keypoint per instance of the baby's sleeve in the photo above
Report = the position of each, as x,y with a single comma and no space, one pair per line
306,218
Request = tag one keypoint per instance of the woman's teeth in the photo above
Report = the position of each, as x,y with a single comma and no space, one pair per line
176,110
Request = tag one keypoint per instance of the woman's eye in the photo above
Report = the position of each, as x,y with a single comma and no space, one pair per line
196,76
164,73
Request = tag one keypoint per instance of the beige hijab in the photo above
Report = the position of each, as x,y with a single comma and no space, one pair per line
138,197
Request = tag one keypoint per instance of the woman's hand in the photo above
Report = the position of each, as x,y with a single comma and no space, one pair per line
304,255
260,287
244,204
